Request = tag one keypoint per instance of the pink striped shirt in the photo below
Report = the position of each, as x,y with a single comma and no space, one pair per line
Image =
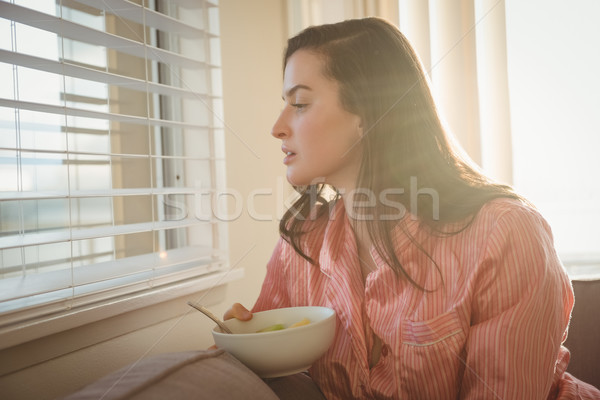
490,325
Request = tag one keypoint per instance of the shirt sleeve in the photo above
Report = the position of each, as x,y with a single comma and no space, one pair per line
521,309
273,293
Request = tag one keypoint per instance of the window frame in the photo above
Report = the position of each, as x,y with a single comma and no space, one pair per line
182,276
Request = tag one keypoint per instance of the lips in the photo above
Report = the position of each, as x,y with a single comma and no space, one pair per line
289,155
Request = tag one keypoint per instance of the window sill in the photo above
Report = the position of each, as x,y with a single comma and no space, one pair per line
584,272
582,267
30,330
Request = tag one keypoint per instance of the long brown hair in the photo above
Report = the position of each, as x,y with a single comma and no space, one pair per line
404,143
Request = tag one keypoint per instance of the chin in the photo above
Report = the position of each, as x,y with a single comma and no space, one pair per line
296,180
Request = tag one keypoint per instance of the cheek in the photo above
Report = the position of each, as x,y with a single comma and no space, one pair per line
327,134
311,135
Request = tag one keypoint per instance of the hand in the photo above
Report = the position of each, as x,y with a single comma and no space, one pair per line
238,311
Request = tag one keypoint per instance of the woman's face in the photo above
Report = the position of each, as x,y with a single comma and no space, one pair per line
320,138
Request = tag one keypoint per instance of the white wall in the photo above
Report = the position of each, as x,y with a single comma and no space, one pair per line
253,37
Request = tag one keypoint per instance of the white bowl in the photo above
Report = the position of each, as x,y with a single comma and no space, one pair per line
283,352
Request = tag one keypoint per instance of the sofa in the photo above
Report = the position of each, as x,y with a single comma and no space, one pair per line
583,340
202,375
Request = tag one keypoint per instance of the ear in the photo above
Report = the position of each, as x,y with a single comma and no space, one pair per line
360,129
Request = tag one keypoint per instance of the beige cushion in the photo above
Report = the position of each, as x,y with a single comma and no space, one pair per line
208,374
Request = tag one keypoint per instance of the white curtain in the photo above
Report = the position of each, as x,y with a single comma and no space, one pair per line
462,44
304,13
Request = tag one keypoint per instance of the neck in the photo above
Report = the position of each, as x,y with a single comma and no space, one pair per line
359,208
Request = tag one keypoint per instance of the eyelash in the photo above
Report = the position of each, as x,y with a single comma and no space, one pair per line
299,106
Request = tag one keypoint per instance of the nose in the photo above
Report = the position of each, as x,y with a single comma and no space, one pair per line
280,129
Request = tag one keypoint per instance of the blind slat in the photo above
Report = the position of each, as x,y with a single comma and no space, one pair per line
67,235
42,195
78,112
193,4
86,34
80,72
24,150
133,12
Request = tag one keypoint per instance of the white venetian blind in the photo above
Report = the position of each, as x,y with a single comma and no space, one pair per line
110,146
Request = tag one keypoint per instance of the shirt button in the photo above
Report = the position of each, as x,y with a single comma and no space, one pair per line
384,351
363,388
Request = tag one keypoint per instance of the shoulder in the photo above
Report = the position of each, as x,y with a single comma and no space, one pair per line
510,215
505,232
501,220
501,206
516,235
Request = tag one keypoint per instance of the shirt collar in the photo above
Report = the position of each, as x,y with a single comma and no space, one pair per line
339,226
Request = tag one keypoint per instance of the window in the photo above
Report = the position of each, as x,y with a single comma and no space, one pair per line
110,146
553,65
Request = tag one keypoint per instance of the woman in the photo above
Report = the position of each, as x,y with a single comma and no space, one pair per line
445,284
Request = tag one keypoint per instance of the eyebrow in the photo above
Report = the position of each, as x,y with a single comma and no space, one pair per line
290,92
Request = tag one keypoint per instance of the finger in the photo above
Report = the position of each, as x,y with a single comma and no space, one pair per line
238,311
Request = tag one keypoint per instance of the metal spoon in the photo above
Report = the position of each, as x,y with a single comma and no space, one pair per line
210,315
